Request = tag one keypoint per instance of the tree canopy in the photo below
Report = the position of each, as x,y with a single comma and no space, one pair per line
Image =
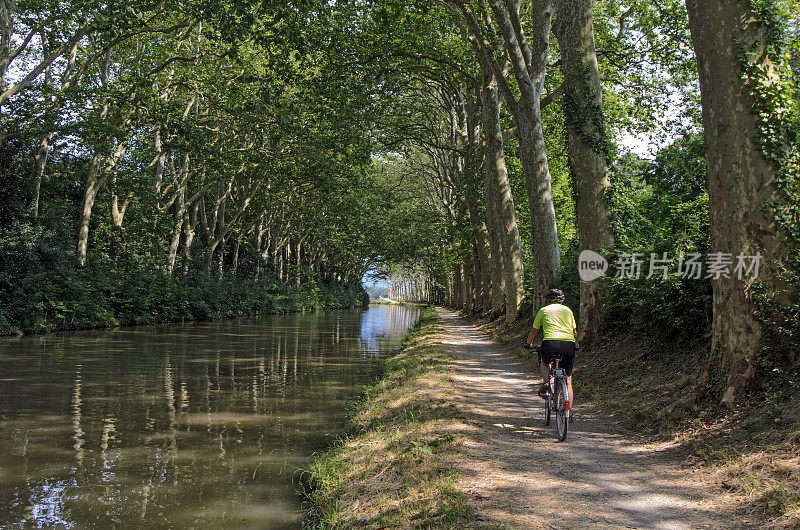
465,150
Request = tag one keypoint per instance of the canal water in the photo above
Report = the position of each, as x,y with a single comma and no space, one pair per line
200,425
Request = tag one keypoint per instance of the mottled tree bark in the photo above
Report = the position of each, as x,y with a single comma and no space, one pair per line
219,241
279,254
298,262
259,244
94,181
586,132
469,287
740,180
118,208
6,29
482,275
456,292
96,178
177,229
497,277
190,223
501,199
40,161
161,156
235,260
529,62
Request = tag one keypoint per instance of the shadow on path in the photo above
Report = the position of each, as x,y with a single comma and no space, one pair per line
519,476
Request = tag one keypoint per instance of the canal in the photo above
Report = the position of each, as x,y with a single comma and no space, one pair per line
197,425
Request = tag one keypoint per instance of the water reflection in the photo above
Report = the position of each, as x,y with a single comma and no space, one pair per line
187,425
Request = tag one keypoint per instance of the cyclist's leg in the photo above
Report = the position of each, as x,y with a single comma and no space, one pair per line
545,369
568,362
545,357
569,384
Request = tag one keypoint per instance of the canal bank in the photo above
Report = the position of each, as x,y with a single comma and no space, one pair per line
88,300
396,467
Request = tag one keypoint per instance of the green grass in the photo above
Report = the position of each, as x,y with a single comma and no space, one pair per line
395,469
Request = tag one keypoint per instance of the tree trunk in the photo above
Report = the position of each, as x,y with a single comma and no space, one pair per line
219,239
161,156
98,174
497,178
6,29
40,160
259,243
274,251
469,287
448,290
190,224
586,142
235,264
455,286
482,280
740,181
529,63
221,258
179,217
280,254
210,260
94,181
118,210
497,282
287,260
297,254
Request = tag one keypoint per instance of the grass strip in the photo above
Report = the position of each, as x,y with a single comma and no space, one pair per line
396,468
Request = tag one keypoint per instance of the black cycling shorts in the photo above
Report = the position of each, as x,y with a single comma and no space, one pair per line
561,348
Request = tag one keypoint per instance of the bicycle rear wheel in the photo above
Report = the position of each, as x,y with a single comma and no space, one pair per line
562,414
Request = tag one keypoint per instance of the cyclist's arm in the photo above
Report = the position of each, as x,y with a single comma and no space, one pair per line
531,335
537,323
574,327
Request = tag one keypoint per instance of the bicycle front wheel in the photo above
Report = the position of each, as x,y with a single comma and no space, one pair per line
547,410
562,414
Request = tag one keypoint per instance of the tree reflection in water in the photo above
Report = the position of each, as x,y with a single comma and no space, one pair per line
196,424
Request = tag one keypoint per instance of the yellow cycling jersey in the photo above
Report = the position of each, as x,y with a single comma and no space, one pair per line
558,322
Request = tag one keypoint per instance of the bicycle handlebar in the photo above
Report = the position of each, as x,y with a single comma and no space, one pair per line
537,347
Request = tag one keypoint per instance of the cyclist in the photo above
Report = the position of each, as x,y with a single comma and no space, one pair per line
560,337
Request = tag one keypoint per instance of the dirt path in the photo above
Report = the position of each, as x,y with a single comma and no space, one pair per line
520,477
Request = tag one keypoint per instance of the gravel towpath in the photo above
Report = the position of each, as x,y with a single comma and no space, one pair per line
519,476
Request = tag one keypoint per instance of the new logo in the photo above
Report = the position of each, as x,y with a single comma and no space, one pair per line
591,265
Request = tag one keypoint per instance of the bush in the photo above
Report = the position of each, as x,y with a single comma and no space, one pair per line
42,290
662,207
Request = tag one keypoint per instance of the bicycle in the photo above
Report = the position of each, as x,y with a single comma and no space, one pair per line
557,399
